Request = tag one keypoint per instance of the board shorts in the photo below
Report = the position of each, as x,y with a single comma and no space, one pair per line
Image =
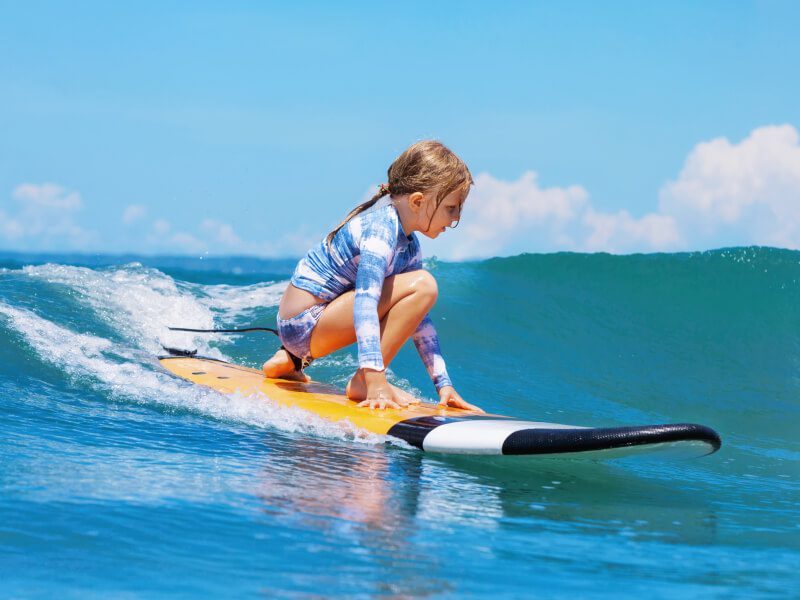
295,332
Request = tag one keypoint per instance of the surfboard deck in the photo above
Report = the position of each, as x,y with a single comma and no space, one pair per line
449,430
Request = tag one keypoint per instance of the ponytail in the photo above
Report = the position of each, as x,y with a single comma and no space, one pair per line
357,211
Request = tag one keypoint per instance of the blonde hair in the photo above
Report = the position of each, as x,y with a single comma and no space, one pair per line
421,167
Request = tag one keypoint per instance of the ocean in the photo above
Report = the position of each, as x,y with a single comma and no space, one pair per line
118,480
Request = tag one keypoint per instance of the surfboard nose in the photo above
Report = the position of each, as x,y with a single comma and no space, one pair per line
493,435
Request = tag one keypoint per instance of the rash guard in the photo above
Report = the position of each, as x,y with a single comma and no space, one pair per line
369,248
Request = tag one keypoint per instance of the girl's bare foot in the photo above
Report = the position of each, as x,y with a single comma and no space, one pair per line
280,366
357,390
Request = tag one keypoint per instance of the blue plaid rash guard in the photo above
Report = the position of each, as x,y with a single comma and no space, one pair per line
364,252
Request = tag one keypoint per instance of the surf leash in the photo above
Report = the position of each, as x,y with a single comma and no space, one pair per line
243,330
299,363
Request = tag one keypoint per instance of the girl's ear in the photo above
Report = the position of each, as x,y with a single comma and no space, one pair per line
415,201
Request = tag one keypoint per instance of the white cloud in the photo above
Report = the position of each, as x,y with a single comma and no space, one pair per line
11,228
47,195
726,194
161,226
295,243
510,204
501,216
745,193
186,242
217,237
133,213
44,218
508,217
221,233
163,239
620,232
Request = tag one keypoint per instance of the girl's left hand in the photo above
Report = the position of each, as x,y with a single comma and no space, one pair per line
448,396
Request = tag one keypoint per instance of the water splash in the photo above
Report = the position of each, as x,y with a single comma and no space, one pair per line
138,302
128,374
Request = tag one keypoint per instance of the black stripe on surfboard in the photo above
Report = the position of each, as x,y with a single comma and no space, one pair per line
413,431
559,441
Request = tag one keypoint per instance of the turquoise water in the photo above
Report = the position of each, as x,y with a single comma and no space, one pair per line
117,480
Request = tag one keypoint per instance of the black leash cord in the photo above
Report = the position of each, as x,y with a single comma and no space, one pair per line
245,330
299,364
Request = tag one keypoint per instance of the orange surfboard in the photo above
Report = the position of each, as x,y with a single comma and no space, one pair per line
448,430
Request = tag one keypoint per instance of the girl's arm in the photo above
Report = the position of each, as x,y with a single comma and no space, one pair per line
427,342
375,247
426,339
375,251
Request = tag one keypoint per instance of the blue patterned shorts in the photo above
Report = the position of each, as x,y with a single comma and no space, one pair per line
295,332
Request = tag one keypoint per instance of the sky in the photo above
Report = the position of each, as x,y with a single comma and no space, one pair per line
200,128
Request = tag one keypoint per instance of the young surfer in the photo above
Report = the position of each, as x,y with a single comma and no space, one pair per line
365,283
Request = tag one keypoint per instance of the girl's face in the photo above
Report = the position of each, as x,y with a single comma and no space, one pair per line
448,212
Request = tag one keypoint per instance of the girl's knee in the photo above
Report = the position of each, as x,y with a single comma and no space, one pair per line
424,284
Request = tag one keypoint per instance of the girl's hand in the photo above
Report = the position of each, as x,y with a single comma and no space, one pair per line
448,396
378,392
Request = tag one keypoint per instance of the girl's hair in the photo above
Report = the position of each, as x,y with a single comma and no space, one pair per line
421,167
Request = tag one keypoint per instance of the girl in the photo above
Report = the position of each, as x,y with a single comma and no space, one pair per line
365,283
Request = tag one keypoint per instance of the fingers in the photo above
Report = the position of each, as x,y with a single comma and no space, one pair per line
381,403
406,401
460,403
393,398
469,406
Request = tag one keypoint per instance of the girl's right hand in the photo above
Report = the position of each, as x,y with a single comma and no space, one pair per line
378,392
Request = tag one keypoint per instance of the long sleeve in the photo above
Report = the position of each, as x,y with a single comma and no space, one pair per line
376,246
426,340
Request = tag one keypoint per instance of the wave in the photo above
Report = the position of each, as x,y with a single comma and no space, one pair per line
139,303
584,338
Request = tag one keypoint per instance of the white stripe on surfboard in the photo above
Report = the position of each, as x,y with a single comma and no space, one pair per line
484,436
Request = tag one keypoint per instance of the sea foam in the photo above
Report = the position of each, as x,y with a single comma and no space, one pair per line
128,299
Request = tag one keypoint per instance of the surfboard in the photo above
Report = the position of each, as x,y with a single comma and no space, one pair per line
449,430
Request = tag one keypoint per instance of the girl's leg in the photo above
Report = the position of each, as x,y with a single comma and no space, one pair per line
282,366
405,300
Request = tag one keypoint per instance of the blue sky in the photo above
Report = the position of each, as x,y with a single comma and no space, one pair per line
252,127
